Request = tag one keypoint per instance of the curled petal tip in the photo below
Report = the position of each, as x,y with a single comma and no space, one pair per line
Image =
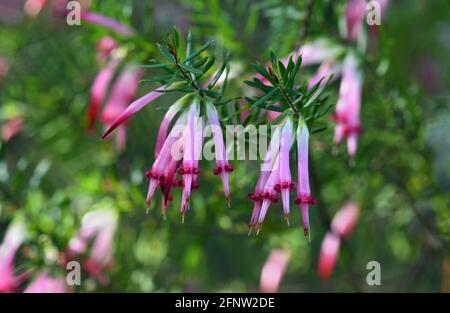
228,201
182,218
258,229
250,230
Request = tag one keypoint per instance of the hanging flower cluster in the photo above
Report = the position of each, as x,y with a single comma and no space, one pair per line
179,148
347,114
122,91
297,106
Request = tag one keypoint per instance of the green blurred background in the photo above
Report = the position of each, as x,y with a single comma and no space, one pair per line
53,172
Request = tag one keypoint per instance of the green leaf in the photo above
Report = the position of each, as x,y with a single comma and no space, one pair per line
162,78
261,70
282,70
189,45
165,52
275,108
291,80
256,83
266,97
274,61
218,73
317,94
176,38
158,65
318,129
196,53
191,69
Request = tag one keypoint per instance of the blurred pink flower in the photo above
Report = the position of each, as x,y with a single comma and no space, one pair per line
122,94
273,270
105,46
326,69
98,226
328,255
355,13
315,52
342,226
99,89
98,19
33,7
11,127
46,284
344,221
14,237
347,113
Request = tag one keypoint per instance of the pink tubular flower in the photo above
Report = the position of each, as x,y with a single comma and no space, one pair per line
99,89
99,226
275,176
342,226
11,243
285,185
158,173
107,22
189,168
122,93
273,270
355,12
269,162
11,128
328,255
168,117
304,198
326,69
348,106
105,46
133,108
47,284
315,52
344,221
33,7
223,167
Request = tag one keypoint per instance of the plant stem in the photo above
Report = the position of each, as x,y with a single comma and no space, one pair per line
188,77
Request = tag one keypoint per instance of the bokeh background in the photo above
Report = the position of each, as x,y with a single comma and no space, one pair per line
52,172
